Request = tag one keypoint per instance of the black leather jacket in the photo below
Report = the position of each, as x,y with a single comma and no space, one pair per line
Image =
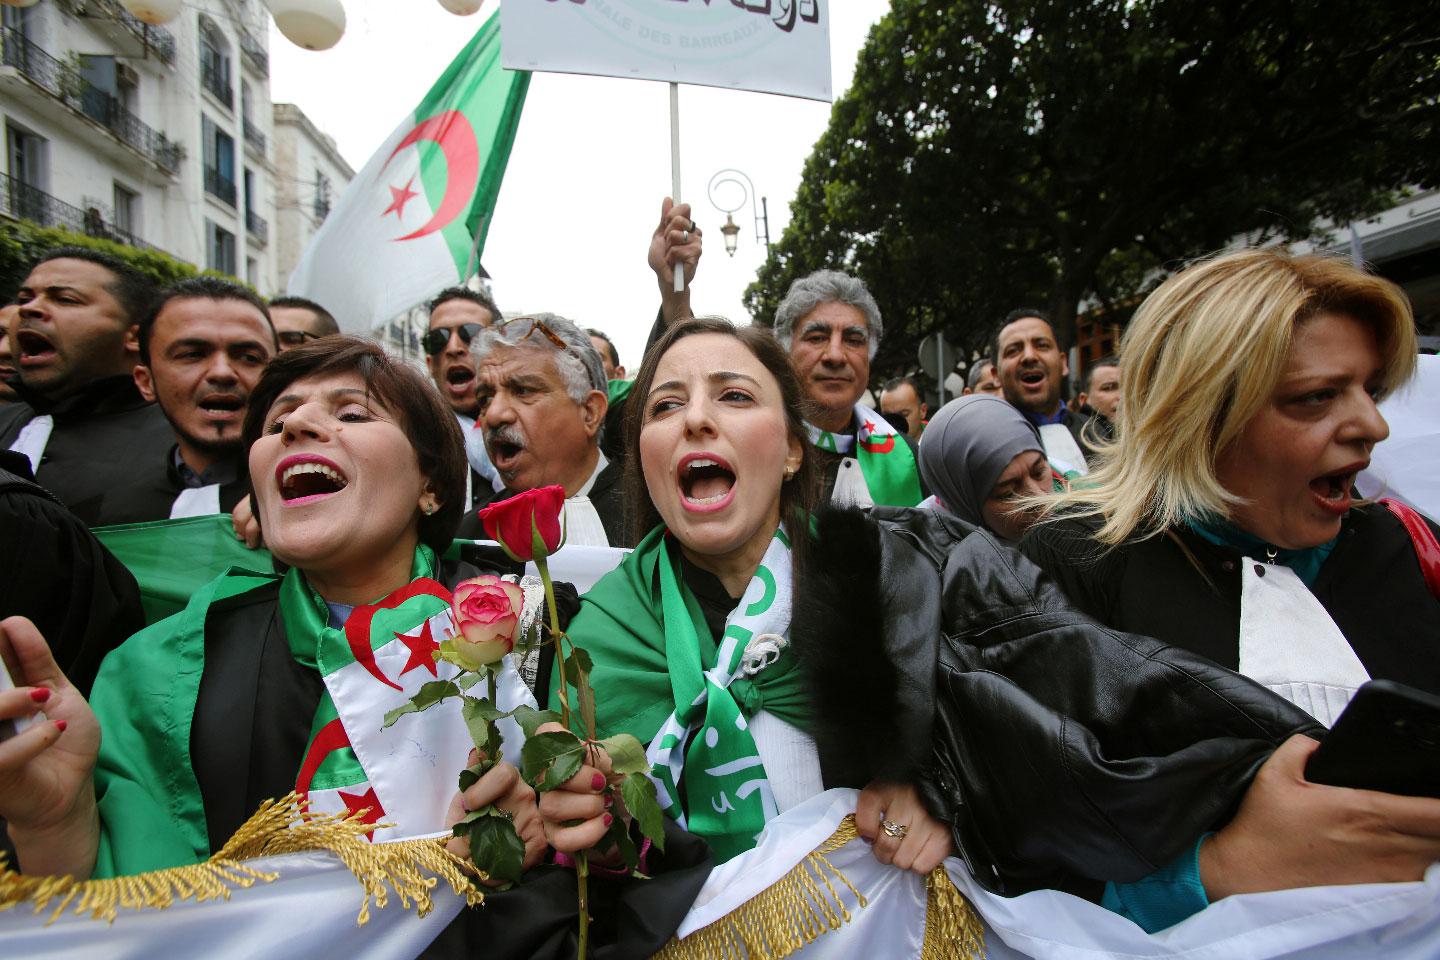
1061,752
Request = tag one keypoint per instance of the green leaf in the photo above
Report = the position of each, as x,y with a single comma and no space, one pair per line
618,836
467,680
549,759
577,674
531,719
482,730
639,795
496,848
428,695
627,754
474,772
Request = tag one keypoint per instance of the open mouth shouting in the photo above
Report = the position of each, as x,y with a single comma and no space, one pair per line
306,478
222,407
460,381
1332,492
33,349
707,482
505,445
1033,378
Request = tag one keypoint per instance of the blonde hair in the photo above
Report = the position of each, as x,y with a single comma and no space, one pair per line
1202,356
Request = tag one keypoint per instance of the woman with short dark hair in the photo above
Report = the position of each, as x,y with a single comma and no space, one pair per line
267,684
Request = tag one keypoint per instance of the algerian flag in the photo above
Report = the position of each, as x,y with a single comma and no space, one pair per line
415,218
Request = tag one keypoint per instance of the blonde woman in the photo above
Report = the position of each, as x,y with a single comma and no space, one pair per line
1223,520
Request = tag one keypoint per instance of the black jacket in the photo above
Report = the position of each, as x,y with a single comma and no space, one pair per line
1371,585
54,571
1061,752
152,495
106,438
607,495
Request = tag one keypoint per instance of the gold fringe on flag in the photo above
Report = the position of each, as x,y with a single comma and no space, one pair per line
804,905
411,868
952,927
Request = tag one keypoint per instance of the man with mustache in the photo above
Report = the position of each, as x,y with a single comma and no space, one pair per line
83,425
542,404
1032,367
457,315
202,349
831,325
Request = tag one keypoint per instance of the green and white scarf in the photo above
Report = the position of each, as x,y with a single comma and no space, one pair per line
886,461
705,748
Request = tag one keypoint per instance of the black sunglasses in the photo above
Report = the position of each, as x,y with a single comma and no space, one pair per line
436,340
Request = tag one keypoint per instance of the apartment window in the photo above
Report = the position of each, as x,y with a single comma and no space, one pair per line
127,210
215,64
29,157
220,244
17,19
218,150
322,196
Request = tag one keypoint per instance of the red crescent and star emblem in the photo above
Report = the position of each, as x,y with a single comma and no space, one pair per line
357,627
455,137
422,650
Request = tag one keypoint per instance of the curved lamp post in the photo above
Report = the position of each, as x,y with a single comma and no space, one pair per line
731,230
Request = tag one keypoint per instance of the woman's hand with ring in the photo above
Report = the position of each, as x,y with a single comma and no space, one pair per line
891,817
502,786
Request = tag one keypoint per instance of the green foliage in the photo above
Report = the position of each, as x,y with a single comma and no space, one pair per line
627,754
549,759
638,793
531,719
495,847
22,243
428,695
993,154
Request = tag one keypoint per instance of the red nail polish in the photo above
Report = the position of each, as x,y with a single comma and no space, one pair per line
609,801
597,782
60,725
40,694
609,819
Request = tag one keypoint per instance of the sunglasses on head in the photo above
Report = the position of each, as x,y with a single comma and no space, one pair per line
295,338
534,325
436,340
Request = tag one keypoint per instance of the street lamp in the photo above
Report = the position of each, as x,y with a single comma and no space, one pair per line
731,230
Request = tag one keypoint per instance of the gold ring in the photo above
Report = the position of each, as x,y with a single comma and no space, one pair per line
893,829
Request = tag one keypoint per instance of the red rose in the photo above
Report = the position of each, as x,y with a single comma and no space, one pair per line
487,613
528,524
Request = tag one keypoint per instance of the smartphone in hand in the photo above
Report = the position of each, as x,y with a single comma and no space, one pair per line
1386,739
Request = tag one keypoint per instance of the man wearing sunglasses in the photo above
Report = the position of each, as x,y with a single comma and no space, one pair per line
457,315
298,321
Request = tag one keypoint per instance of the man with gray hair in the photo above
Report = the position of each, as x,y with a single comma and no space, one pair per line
542,404
831,325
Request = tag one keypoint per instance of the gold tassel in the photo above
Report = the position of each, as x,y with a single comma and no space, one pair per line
952,927
799,908
796,911
410,868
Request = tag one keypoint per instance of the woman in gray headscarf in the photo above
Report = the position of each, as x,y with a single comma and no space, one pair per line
979,455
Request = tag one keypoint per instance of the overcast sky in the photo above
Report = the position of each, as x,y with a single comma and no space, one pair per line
591,161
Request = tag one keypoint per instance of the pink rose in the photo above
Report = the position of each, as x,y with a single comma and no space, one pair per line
487,612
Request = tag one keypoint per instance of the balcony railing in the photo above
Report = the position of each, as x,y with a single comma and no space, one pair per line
24,202
219,185
257,226
158,39
253,135
322,208
65,83
255,53
217,82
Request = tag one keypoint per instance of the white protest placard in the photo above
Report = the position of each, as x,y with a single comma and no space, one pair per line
768,46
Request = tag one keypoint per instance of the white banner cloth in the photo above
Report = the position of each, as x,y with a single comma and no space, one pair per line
1399,921
308,912
768,46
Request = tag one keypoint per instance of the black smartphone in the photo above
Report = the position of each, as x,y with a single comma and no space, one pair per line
1387,739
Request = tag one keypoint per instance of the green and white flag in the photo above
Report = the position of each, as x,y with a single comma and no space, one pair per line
414,220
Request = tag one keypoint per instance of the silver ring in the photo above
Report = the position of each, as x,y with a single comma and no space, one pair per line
684,236
893,829
692,226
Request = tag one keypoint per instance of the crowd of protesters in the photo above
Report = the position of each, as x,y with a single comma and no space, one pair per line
1191,513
